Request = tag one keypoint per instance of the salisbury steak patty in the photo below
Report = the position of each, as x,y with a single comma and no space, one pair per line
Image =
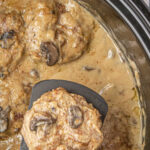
62,120
13,104
53,34
11,45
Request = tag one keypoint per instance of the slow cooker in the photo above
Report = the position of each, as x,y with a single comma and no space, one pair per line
128,23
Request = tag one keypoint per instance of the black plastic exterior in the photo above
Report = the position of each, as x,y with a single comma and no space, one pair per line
146,3
137,17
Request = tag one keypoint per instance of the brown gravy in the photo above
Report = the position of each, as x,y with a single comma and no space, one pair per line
100,68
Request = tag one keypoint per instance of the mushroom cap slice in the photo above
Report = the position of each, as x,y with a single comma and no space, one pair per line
41,120
49,52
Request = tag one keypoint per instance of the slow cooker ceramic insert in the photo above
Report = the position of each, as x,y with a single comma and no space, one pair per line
128,22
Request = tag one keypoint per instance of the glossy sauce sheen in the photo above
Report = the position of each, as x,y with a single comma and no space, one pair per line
87,55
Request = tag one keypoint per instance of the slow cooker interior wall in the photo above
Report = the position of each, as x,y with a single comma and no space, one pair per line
134,51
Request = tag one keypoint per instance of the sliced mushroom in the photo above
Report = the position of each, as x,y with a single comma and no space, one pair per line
75,116
7,35
2,75
50,52
41,120
88,68
4,119
6,39
34,73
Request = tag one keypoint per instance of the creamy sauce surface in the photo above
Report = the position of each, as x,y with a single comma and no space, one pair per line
94,62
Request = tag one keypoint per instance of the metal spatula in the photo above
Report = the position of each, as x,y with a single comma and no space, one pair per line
72,87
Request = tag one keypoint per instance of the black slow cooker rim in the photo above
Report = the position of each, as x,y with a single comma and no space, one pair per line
137,17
